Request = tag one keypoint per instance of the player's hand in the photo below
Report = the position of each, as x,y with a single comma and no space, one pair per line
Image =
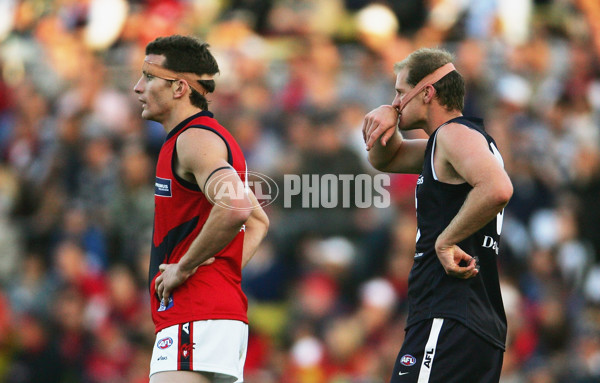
451,256
380,124
171,276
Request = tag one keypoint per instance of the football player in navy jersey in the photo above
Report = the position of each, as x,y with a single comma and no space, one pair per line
456,326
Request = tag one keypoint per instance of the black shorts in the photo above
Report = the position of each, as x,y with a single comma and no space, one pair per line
443,350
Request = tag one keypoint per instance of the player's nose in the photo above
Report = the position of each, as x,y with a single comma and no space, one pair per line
138,88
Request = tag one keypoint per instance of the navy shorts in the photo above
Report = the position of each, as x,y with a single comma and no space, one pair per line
442,350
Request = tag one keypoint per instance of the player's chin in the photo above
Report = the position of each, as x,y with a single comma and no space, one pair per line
147,115
409,126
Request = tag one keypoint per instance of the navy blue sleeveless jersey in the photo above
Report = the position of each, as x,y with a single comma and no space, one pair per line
475,302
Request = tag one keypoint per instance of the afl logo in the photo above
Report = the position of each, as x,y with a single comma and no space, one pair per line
408,360
225,192
164,343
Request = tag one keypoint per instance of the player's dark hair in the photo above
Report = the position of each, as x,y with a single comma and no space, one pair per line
450,90
187,54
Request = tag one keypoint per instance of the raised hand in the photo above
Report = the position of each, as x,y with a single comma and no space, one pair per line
380,123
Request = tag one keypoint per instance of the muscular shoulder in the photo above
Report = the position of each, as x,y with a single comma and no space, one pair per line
467,154
455,141
459,136
196,147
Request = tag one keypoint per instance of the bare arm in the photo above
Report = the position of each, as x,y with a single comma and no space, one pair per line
257,226
388,151
464,155
223,224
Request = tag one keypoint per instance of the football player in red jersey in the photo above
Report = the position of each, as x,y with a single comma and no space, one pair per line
200,313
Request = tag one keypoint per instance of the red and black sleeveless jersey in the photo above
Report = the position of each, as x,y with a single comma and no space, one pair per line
181,209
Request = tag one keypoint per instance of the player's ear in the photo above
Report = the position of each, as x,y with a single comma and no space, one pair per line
429,93
179,88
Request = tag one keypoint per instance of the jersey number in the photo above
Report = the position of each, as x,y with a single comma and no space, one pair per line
500,216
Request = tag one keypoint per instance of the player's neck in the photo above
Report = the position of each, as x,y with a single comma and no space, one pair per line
179,114
438,116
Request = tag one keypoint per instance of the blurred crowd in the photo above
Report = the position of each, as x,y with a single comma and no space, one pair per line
327,290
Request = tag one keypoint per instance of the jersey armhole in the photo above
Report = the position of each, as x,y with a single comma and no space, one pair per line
490,146
433,173
191,185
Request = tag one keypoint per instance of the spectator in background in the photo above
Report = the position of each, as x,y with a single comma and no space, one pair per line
131,208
